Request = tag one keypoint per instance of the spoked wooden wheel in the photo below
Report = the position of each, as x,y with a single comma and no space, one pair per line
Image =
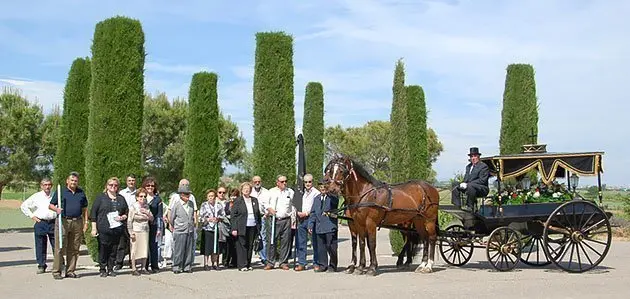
455,248
577,236
504,248
533,253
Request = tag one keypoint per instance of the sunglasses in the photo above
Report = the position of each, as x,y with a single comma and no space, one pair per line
142,196
112,185
308,181
152,186
221,192
282,181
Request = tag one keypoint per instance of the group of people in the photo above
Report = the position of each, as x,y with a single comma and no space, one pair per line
139,223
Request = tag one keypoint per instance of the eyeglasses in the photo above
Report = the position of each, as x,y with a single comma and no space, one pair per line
282,181
112,185
151,186
221,192
142,196
308,181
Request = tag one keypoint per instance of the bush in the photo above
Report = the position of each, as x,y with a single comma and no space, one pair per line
202,164
274,116
114,144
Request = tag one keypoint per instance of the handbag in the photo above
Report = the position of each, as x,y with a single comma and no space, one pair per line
258,244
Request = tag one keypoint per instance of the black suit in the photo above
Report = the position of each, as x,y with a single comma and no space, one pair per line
477,184
245,234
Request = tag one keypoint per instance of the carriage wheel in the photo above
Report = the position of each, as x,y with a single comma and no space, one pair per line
504,248
532,252
456,249
577,236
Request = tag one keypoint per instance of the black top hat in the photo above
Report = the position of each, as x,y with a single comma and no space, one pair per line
474,151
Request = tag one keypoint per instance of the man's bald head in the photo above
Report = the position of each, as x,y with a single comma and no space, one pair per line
184,182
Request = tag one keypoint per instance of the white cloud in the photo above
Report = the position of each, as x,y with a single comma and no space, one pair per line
45,93
179,69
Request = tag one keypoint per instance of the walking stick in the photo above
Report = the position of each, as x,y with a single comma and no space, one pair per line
59,216
216,229
273,223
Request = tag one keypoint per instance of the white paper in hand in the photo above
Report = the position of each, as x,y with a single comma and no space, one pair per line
111,217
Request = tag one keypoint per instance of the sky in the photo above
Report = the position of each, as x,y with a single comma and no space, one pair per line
458,51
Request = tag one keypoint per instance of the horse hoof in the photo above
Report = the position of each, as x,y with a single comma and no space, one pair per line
426,270
371,272
419,269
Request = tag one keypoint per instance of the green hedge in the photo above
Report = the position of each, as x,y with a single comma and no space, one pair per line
114,144
313,129
417,135
73,133
520,109
202,164
274,117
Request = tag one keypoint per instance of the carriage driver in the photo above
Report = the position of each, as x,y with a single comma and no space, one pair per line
475,182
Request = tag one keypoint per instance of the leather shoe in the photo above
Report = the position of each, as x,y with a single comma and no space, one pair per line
268,267
285,267
299,268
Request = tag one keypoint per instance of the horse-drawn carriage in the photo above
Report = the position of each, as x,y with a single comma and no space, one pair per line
573,234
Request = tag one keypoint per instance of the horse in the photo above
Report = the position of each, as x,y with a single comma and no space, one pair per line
371,203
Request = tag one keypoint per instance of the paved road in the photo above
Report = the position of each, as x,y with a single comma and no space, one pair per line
475,280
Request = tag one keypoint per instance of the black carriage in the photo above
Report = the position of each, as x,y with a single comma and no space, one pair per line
573,233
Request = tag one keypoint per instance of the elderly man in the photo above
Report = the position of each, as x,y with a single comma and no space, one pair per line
262,194
36,208
168,236
279,210
74,221
475,182
129,194
302,230
182,224
324,227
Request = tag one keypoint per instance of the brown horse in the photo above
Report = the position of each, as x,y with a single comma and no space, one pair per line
372,203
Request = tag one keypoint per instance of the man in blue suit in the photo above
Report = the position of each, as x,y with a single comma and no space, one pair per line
326,228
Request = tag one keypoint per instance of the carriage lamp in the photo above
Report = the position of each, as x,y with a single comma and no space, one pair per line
574,180
526,182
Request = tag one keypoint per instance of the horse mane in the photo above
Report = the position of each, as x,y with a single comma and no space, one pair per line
360,170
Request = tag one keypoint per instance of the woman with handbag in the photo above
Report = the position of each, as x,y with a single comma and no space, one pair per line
245,222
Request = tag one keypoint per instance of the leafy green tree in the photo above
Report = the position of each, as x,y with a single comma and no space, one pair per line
202,165
69,155
418,165
50,132
163,135
369,144
398,118
114,143
519,117
274,115
313,129
20,138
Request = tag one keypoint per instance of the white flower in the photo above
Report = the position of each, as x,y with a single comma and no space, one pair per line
556,194
536,194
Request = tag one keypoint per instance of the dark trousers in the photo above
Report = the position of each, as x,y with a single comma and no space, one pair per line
44,233
244,248
183,251
123,248
282,239
472,192
107,253
302,240
229,258
327,249
153,249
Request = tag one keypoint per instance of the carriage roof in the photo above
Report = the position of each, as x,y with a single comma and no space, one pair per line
549,165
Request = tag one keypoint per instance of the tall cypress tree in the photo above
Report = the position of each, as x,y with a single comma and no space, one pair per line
398,118
114,145
399,155
202,165
73,131
519,117
313,129
274,115
417,135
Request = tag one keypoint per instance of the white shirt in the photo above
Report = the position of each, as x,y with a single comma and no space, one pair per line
307,199
175,197
37,205
251,221
262,196
281,201
130,196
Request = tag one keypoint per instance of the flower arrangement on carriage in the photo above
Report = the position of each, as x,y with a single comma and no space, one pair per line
538,193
